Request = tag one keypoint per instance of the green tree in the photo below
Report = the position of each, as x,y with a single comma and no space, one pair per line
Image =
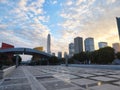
53,60
118,55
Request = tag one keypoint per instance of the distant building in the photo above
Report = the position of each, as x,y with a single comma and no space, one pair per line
39,48
49,44
59,54
71,49
78,45
9,55
65,54
102,44
6,46
37,57
116,47
118,25
53,54
89,44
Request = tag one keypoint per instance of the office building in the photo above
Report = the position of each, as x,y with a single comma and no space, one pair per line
65,54
59,55
78,45
71,49
102,44
89,44
48,44
118,25
116,47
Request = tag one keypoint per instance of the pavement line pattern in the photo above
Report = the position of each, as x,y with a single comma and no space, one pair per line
35,85
61,78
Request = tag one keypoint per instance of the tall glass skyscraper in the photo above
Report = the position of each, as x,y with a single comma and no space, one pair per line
71,49
48,44
118,25
78,45
89,44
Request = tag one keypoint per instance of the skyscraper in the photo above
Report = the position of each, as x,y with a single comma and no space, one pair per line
65,54
59,55
118,25
48,44
78,44
71,49
89,44
102,44
116,47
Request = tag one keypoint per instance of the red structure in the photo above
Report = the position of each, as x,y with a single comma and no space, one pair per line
9,55
5,46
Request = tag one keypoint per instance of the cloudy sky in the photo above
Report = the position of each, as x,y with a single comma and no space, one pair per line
26,23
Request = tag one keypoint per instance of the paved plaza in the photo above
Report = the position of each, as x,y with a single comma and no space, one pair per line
61,78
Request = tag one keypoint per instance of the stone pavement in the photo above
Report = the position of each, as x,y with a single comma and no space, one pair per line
61,78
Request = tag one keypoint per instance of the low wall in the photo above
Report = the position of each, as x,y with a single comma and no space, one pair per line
6,71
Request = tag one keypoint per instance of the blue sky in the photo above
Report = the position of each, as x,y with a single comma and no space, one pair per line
26,23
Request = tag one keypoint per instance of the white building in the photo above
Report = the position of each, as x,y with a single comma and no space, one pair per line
89,44
48,44
78,45
102,44
71,49
116,47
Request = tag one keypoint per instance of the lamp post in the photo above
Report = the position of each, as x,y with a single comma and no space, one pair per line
66,60
17,57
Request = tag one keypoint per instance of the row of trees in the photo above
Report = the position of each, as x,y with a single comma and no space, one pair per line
102,56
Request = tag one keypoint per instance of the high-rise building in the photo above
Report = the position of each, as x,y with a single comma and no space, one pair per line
89,44
102,44
116,47
118,25
78,44
59,54
65,54
48,44
71,49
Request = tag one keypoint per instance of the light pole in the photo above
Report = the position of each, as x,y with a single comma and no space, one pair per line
17,57
66,60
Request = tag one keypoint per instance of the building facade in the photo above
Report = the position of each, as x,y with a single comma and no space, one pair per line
118,24
102,44
65,55
89,44
49,44
9,55
71,49
59,55
116,47
78,45
39,48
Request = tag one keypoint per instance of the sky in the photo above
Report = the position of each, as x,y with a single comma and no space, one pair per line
26,23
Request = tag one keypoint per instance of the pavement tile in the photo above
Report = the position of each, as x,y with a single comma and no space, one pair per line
101,78
105,87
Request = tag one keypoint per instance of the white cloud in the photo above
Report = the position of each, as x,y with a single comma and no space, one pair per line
90,18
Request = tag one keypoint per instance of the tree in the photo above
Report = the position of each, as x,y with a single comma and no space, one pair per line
53,60
118,55
102,56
